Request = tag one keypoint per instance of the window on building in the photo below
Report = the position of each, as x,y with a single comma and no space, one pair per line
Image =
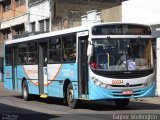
44,25
47,25
33,27
6,34
18,30
20,2
7,5
41,25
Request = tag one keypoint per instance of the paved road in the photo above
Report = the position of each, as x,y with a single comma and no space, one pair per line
13,107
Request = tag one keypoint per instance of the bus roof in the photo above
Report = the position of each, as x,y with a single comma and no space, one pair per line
45,35
65,31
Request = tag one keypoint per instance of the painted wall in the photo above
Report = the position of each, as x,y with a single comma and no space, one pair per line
14,12
39,12
113,14
14,21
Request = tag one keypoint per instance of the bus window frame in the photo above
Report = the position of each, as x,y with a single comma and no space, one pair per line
27,53
6,54
69,48
51,50
35,52
61,49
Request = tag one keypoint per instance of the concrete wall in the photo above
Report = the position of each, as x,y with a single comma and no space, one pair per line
14,12
39,12
73,12
15,21
113,14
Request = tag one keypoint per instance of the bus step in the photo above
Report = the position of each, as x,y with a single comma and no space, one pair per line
83,99
44,96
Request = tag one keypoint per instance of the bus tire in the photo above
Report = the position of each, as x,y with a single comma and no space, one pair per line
25,92
72,103
122,103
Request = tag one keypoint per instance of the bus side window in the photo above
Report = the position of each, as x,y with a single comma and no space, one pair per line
22,53
32,53
55,50
69,48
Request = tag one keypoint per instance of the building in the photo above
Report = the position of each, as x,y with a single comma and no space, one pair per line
13,20
39,15
32,16
67,13
13,17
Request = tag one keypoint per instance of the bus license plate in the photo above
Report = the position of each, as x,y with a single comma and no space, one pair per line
127,92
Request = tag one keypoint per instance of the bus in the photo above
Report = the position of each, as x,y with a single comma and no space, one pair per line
103,61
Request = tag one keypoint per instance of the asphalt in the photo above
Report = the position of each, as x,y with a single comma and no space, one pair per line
12,106
154,100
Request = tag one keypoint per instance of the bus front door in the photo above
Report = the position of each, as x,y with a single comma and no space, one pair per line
82,66
42,68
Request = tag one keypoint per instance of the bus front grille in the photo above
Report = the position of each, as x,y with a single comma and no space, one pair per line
135,85
120,93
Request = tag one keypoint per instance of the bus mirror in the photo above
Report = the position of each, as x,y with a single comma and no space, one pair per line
90,50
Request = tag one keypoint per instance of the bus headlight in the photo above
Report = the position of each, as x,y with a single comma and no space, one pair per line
99,83
145,84
149,81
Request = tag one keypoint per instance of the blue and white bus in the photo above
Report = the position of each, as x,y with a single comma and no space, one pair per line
105,61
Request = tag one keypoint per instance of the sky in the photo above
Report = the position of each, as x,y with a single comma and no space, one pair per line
141,11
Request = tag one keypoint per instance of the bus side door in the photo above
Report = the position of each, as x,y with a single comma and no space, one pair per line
82,64
14,68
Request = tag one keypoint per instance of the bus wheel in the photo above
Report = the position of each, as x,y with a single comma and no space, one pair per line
122,103
73,103
25,93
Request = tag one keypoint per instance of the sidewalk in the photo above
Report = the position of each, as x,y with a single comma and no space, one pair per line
2,86
6,92
153,100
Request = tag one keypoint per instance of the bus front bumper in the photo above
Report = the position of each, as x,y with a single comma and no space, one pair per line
99,93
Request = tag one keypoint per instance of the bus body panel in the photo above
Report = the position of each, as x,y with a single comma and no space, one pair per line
57,74
33,89
28,72
99,93
8,82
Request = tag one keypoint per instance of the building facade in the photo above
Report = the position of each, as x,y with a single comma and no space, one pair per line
13,17
13,21
30,16
39,18
67,13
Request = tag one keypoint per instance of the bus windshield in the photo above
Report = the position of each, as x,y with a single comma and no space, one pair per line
127,54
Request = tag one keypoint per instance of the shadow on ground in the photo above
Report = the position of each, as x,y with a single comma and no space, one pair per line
14,113
98,105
